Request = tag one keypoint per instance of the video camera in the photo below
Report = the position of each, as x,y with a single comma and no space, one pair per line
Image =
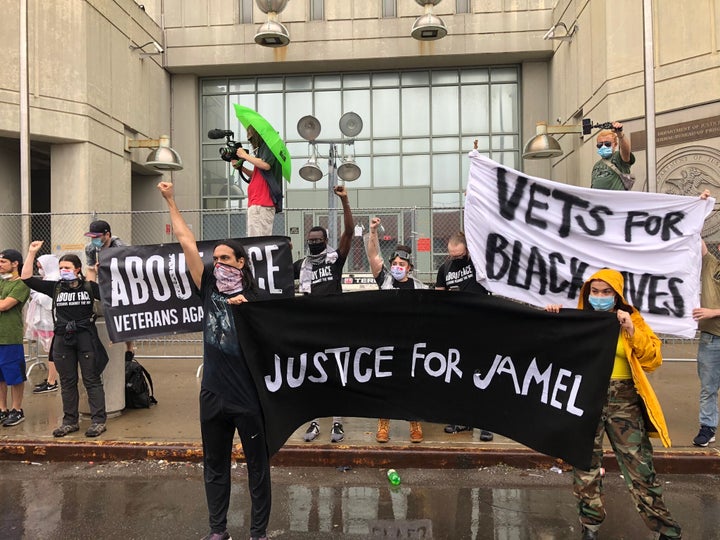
587,126
229,151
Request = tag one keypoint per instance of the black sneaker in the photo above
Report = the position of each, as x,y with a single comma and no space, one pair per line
45,388
14,417
217,536
41,384
705,436
337,434
312,432
65,429
451,428
95,429
486,435
4,415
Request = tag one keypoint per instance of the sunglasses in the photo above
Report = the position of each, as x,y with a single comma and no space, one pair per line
606,143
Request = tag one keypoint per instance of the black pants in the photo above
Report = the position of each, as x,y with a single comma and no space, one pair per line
67,358
218,422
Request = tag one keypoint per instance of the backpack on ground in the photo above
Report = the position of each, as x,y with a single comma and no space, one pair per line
138,386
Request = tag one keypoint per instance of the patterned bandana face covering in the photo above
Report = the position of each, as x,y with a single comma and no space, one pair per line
229,279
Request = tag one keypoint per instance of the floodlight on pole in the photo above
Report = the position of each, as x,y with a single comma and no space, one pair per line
308,128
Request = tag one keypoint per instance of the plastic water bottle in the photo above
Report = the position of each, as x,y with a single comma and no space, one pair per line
393,477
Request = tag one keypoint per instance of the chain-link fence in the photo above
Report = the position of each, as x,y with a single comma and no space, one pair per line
425,230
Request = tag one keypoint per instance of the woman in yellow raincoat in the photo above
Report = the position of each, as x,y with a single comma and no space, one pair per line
630,415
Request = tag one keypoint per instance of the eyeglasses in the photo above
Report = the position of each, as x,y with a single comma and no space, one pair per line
402,254
605,143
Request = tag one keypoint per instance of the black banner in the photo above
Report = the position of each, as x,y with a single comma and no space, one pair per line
538,378
146,291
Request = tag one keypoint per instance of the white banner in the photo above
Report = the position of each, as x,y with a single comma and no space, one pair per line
537,241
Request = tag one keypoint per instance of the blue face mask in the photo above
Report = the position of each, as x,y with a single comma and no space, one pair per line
602,303
97,242
605,152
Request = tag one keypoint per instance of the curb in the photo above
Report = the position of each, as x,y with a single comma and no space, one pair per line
700,461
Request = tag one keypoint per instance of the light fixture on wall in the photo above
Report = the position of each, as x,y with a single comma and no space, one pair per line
566,36
272,33
428,27
155,45
162,158
543,144
309,129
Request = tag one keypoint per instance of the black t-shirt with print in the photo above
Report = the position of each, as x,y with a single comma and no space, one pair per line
459,274
72,300
326,277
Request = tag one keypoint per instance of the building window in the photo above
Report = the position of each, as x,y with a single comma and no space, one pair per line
246,11
389,8
463,6
418,125
317,10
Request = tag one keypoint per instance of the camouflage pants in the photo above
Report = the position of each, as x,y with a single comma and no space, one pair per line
623,423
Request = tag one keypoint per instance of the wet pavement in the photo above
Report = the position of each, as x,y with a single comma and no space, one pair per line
142,478
159,499
170,430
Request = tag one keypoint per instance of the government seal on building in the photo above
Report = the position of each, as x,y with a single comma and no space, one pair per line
689,171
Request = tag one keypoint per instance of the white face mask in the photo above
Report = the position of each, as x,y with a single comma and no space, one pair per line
67,275
5,276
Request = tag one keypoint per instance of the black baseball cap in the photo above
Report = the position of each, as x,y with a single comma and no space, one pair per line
12,255
98,228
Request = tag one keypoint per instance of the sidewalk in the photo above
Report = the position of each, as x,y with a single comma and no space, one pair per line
170,430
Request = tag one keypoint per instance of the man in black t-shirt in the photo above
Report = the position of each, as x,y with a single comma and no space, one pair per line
228,399
320,274
458,274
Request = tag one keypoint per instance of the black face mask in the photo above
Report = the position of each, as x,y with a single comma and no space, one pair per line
317,249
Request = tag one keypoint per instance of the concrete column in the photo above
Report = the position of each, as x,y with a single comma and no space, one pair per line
113,377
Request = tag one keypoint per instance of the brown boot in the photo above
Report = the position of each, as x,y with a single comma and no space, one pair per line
383,431
416,432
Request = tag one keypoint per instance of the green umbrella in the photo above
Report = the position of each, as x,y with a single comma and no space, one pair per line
248,118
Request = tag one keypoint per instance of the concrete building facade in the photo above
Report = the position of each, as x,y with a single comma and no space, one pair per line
89,91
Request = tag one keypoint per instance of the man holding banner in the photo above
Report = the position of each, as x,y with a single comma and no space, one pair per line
228,397
320,274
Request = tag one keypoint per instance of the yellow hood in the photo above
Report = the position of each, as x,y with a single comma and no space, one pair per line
611,277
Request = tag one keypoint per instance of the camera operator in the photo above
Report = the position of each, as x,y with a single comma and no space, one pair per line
265,189
615,161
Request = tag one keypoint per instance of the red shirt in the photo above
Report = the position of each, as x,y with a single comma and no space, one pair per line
258,190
